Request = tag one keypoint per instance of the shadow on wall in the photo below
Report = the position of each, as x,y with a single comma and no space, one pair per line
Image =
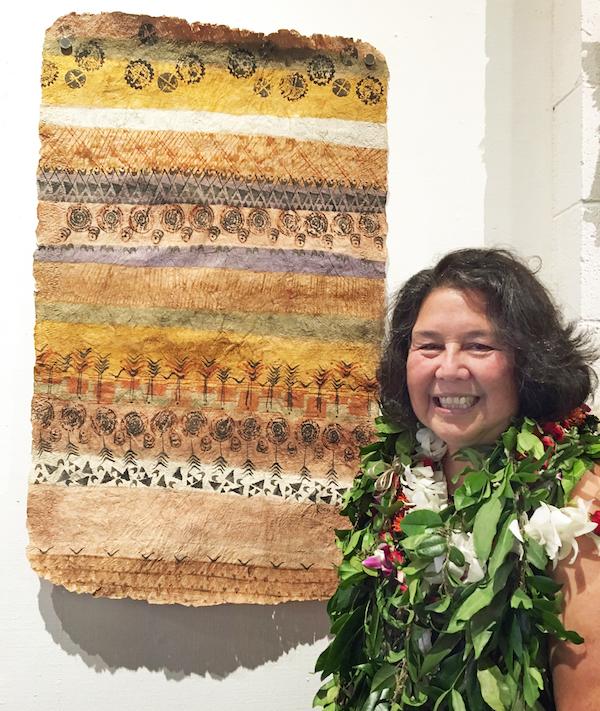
113,634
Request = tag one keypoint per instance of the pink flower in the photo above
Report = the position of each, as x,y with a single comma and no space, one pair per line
595,518
385,559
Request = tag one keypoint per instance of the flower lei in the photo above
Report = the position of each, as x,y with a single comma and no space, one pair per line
447,604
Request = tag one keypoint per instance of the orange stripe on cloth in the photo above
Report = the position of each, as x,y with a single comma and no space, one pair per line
209,289
76,148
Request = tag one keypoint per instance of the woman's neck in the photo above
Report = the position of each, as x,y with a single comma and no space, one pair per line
451,468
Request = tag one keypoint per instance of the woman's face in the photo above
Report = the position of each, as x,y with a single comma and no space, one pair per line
460,378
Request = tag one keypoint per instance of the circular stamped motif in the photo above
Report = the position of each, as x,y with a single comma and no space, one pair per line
307,433
75,79
320,70
369,90
79,218
369,224
293,86
341,87
249,429
222,428
167,82
259,221
193,422
232,220
139,219
343,224
90,56
316,224
289,223
139,74
173,218
49,73
109,218
278,430
262,87
241,63
190,69
202,217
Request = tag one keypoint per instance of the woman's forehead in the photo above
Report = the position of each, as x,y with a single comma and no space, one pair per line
446,309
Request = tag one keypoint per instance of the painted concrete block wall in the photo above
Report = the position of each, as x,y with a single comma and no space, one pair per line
518,125
564,247
590,166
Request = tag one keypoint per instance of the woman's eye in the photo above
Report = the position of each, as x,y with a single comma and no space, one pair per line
431,347
483,347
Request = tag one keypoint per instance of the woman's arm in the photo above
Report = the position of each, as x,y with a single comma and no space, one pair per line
576,668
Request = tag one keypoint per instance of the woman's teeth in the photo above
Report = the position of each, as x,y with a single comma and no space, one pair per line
457,403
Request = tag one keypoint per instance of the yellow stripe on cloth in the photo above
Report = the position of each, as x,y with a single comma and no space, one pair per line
217,92
231,349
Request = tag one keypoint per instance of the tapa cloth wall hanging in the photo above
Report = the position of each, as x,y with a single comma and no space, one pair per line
210,292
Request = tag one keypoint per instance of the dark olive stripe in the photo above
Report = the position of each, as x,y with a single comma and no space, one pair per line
295,261
323,328
267,57
203,189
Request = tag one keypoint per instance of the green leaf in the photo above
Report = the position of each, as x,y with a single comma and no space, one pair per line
383,426
521,599
353,541
416,521
337,655
543,584
528,443
371,701
503,547
441,648
480,640
484,528
463,500
480,597
491,682
441,605
516,638
475,482
433,546
385,677
531,689
456,556
536,554
509,439
457,702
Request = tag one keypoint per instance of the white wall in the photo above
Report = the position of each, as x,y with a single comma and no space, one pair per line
63,651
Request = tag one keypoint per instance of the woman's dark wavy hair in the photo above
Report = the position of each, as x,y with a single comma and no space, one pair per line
552,360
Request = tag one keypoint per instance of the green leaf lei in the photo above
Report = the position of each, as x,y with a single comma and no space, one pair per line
416,635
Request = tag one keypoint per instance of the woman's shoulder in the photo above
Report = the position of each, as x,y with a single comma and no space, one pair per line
588,487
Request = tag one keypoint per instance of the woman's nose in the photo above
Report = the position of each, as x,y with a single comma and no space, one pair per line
451,366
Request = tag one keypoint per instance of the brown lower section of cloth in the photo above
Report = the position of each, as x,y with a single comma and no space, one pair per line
182,547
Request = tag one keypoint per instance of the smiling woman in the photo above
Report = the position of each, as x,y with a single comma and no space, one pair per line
474,507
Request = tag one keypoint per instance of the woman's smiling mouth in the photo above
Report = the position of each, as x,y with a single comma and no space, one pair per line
455,402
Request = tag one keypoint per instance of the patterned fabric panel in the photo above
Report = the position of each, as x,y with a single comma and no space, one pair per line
209,306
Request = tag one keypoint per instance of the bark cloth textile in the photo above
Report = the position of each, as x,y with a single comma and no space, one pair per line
209,308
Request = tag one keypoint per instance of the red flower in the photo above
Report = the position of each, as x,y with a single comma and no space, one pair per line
595,518
396,557
554,429
576,417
